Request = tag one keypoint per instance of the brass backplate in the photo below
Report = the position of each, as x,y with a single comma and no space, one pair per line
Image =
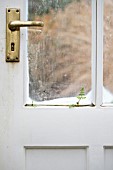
12,37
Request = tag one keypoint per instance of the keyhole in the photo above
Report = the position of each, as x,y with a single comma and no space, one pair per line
12,46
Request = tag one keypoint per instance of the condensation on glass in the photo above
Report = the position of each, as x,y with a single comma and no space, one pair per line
60,55
108,52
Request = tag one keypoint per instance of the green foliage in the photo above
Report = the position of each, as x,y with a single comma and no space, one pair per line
40,7
81,95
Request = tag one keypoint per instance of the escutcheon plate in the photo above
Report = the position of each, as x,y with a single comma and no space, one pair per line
12,37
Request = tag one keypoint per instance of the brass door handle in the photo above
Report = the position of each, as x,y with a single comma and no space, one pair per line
15,25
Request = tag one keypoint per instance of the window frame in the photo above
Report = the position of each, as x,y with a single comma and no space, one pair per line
96,57
99,53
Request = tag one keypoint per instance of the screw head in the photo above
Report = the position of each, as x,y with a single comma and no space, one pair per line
17,10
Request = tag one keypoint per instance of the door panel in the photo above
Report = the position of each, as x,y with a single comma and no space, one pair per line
43,137
108,154
62,158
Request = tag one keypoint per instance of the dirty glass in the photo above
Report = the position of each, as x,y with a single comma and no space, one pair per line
108,52
60,54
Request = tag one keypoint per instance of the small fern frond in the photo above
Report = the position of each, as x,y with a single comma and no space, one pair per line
81,95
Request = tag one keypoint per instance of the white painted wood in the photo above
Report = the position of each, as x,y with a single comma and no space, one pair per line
24,129
56,158
99,87
94,49
108,157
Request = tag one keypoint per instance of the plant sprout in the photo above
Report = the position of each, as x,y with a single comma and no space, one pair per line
81,95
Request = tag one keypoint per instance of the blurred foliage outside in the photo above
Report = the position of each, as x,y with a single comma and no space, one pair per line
40,7
59,57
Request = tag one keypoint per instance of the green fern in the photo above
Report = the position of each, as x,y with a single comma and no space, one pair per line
81,95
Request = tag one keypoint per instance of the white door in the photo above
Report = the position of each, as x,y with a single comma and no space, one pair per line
53,137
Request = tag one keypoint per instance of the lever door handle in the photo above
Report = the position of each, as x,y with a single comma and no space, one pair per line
15,25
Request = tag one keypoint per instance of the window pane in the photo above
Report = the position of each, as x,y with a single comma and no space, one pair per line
108,52
60,56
